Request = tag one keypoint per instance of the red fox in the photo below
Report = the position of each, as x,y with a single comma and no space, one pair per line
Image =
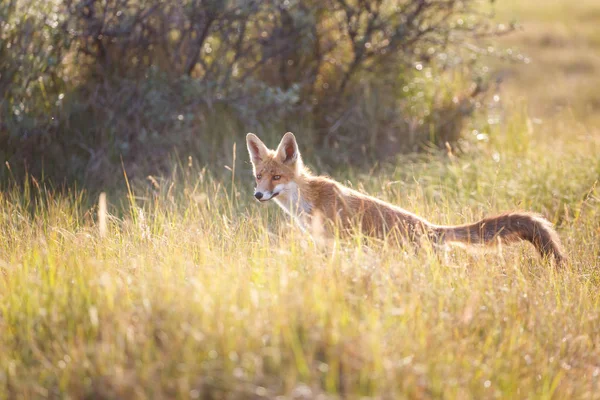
281,176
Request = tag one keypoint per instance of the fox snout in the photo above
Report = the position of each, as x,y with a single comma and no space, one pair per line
265,196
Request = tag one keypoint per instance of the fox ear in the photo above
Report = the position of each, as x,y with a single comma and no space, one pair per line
256,148
287,151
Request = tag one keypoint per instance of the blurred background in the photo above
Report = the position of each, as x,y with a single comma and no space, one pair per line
89,87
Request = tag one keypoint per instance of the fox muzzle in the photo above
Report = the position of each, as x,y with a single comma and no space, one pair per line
266,196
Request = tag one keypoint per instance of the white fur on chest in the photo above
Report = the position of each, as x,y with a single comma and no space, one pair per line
293,203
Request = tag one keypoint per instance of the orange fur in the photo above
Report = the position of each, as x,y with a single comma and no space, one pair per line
281,176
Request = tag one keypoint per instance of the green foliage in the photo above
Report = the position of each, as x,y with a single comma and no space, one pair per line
32,46
86,83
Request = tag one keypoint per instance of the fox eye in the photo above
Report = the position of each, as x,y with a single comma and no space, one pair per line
259,177
276,177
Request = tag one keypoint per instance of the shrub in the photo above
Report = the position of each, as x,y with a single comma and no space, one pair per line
32,50
97,80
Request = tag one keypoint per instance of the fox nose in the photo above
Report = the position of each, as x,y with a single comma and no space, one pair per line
258,195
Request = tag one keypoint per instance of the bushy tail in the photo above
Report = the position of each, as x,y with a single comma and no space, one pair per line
507,228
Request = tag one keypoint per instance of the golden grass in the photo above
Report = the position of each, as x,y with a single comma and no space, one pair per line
192,290
562,42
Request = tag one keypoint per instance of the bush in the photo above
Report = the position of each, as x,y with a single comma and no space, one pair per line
32,50
87,82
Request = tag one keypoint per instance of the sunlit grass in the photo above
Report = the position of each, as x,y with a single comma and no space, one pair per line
561,41
192,290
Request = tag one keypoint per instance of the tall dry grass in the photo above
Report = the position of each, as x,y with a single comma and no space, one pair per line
192,290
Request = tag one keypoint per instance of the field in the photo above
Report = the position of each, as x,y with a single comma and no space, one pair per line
193,290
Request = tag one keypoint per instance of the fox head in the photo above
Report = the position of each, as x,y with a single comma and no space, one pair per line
275,170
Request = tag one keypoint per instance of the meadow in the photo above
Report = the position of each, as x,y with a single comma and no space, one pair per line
188,288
